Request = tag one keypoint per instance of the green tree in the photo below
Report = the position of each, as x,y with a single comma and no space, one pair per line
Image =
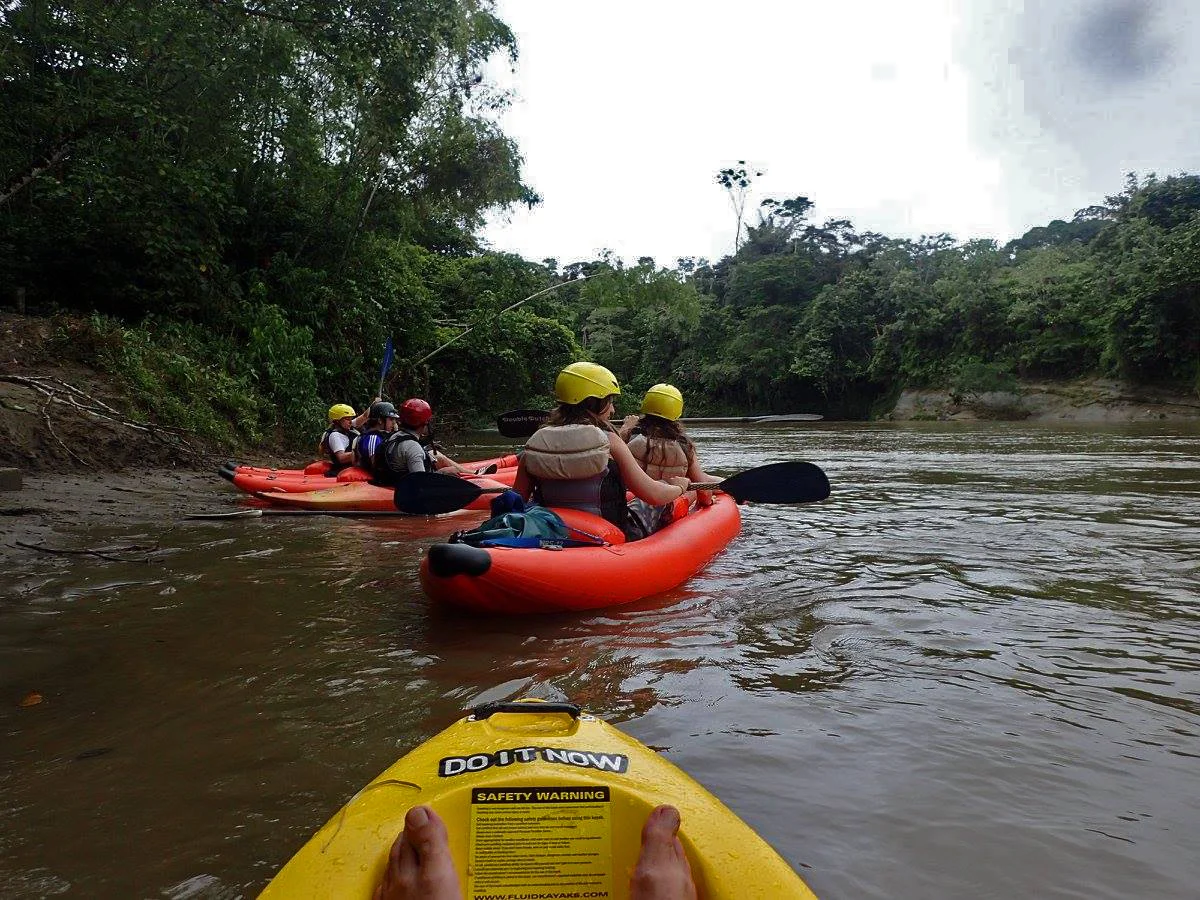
736,181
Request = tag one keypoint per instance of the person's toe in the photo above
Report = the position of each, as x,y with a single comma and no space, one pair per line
419,865
431,847
400,859
658,834
662,871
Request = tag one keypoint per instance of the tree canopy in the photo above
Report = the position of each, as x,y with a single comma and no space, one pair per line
250,196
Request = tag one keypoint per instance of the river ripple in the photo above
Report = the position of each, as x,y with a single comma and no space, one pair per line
973,671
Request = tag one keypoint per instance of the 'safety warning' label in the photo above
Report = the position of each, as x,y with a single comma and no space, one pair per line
537,843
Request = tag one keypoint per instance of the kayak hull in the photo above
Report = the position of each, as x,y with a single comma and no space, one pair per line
519,581
252,479
364,497
253,482
537,801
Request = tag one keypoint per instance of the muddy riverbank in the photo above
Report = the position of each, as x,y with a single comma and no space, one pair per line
51,509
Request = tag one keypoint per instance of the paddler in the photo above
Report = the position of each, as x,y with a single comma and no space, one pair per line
382,420
663,450
421,867
407,447
335,443
577,459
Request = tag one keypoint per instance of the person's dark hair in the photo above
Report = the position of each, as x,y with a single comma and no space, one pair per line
656,428
586,412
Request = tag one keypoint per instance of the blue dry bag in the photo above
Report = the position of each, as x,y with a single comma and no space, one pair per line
532,526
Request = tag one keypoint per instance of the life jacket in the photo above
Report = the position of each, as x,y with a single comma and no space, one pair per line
572,467
660,459
567,452
323,447
365,446
382,470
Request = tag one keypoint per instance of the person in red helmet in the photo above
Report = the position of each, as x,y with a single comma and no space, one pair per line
408,449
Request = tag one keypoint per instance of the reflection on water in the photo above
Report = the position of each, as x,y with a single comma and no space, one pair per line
974,671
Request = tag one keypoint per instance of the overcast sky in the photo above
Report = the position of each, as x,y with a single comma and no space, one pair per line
981,118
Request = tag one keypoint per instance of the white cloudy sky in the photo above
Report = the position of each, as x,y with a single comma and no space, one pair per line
982,118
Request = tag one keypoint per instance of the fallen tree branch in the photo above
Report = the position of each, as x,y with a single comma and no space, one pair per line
49,387
54,434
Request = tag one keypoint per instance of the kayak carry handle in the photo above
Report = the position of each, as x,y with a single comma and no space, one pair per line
487,710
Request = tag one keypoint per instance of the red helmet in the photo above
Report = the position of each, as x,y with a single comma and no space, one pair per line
415,412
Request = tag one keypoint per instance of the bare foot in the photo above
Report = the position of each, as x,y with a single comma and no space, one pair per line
662,871
419,865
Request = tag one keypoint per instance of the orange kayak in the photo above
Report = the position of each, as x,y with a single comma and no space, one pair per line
523,580
361,496
253,479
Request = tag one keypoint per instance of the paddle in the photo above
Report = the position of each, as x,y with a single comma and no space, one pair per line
524,422
429,493
388,353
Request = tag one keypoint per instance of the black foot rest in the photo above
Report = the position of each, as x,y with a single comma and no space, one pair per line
448,560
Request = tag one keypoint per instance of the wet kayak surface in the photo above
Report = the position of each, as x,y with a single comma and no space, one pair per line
973,671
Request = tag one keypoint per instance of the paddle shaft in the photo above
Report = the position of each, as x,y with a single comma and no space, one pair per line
783,482
693,486
388,351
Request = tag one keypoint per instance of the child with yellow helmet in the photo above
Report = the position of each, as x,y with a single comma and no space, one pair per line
577,460
662,448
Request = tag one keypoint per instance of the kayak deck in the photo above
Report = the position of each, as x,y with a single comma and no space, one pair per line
541,800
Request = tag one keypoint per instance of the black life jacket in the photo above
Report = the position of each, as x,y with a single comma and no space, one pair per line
382,471
336,428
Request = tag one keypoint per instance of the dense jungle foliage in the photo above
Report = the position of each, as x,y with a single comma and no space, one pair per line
245,198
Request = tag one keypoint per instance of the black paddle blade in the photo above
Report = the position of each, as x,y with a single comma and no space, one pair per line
521,422
785,482
430,493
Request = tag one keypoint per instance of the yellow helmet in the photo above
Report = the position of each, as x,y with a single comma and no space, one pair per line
663,400
581,380
341,411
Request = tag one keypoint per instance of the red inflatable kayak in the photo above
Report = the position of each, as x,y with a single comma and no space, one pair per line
361,496
253,479
512,580
317,467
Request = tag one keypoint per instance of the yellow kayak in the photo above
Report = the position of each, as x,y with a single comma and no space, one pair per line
539,799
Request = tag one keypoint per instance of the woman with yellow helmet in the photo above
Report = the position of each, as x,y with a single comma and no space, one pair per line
577,460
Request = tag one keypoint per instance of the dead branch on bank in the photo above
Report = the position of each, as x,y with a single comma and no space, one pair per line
54,434
55,390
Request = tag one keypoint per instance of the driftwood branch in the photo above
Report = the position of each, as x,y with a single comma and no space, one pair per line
54,434
55,390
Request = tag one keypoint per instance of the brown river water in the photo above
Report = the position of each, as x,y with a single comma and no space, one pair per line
974,671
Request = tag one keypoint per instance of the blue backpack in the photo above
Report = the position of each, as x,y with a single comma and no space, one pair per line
513,524
535,527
